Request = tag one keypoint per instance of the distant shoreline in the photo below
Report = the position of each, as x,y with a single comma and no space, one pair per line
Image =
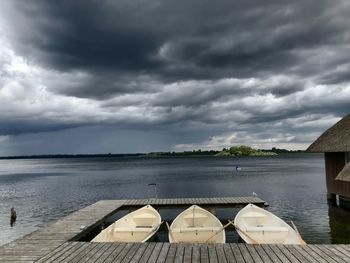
195,153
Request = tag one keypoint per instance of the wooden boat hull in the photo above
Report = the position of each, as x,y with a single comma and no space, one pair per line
258,226
196,225
137,226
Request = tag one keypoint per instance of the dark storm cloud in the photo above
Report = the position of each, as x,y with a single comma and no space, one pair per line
162,38
171,65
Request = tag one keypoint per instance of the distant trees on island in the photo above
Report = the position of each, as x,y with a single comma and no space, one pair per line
241,150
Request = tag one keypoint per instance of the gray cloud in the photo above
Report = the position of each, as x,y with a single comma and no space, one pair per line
211,68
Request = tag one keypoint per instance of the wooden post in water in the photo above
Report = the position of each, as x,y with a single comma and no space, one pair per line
13,216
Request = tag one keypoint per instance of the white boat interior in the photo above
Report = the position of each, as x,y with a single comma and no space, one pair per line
137,226
196,225
258,226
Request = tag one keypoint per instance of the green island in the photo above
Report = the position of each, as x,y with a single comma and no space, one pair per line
241,150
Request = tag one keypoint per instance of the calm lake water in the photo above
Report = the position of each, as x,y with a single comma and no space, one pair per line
44,190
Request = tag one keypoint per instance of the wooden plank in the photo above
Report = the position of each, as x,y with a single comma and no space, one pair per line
88,254
229,254
313,254
300,250
261,252
66,253
278,253
270,253
204,254
322,254
334,253
74,256
170,258
147,253
213,257
163,253
220,253
245,253
237,253
108,252
138,254
253,253
179,253
50,257
115,253
123,253
187,258
299,256
345,253
196,253
155,253
104,249
131,252
286,252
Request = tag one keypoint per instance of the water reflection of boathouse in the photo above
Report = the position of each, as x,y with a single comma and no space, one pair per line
335,144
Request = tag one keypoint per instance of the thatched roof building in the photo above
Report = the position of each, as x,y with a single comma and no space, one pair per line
335,144
344,174
335,139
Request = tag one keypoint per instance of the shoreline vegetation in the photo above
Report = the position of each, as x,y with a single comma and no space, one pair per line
241,150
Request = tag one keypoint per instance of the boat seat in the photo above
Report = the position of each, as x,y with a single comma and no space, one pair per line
193,229
132,229
145,216
195,215
266,229
253,214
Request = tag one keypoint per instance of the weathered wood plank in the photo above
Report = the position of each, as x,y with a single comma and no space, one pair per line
313,254
196,253
146,255
138,254
322,254
179,253
237,253
57,252
278,253
77,254
274,258
261,252
229,254
131,253
245,253
155,253
163,253
204,254
220,253
213,257
254,254
187,253
114,254
333,253
171,253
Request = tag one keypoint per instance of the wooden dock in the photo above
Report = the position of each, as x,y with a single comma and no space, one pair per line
58,242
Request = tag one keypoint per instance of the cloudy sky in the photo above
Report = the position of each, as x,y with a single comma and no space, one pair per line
150,75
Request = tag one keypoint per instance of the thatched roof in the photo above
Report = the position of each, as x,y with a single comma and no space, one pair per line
344,174
335,139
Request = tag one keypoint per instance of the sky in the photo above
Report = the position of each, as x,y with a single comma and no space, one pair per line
158,75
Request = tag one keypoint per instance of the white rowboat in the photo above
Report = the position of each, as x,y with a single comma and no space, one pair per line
137,226
196,225
258,226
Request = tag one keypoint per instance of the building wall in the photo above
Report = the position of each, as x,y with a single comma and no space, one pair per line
335,162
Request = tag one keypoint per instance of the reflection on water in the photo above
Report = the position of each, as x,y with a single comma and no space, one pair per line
44,190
